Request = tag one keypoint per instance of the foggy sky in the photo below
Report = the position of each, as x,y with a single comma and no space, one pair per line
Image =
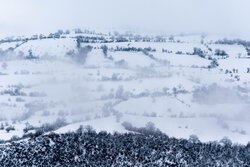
169,16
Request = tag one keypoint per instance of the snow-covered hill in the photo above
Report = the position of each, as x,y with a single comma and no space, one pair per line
183,84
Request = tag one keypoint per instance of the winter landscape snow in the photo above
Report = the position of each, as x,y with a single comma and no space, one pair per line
183,86
139,83
122,83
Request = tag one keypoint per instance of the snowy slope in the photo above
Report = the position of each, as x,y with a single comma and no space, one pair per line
175,90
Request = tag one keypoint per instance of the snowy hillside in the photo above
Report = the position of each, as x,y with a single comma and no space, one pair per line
183,84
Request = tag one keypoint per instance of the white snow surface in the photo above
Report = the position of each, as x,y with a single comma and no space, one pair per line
176,92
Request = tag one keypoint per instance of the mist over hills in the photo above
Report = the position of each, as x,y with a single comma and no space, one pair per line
106,83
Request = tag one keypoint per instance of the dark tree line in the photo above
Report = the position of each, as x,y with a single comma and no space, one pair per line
88,148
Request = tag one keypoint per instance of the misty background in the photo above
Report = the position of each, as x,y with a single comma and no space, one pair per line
226,17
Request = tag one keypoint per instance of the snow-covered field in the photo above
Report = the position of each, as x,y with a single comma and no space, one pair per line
182,93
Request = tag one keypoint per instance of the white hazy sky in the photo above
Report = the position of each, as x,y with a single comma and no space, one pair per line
170,16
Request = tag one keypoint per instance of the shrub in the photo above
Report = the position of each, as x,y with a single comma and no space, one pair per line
220,52
31,56
179,52
38,132
28,127
149,129
14,138
2,126
104,50
214,63
199,52
9,128
80,55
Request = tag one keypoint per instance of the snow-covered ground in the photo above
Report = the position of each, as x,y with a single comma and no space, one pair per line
168,86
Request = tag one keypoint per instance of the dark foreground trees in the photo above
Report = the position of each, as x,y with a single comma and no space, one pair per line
88,148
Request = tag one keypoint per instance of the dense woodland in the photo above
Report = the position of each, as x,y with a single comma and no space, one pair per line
88,148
